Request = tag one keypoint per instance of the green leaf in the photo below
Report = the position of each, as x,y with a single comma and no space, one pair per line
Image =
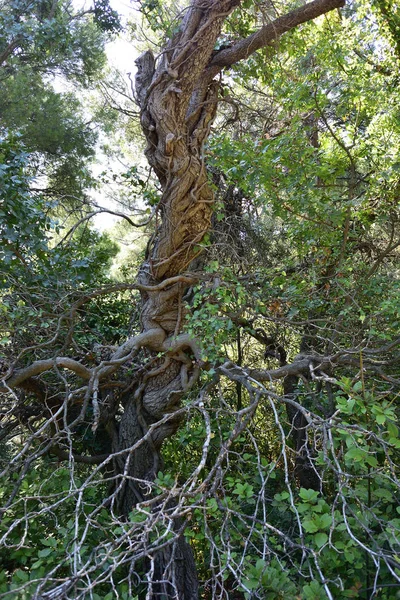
320,539
355,454
309,495
310,526
325,520
21,575
392,429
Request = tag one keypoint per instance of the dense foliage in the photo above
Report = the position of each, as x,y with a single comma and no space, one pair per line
283,475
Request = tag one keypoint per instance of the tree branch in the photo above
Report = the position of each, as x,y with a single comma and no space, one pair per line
80,458
97,212
270,33
40,366
9,50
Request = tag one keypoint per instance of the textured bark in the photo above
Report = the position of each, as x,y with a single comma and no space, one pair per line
178,99
177,112
175,131
304,469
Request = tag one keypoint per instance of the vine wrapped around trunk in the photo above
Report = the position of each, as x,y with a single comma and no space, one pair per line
178,97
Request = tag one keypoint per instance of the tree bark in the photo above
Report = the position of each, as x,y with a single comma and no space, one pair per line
177,112
178,98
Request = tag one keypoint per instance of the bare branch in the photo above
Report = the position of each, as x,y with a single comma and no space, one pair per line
98,212
40,366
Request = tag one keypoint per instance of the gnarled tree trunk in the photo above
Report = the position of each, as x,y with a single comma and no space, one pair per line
178,97
178,106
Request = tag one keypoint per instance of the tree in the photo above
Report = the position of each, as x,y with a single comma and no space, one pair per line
41,41
51,36
134,392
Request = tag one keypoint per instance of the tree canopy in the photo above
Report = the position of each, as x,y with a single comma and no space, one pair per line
218,416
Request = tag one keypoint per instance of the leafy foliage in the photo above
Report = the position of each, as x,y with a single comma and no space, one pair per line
283,476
